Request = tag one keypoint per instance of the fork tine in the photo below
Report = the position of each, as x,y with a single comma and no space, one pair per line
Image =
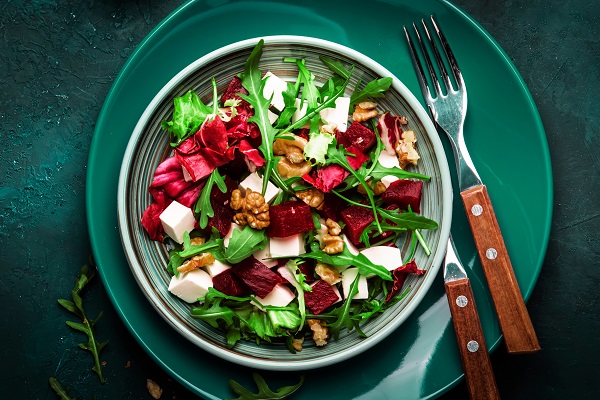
438,57
434,80
449,54
417,64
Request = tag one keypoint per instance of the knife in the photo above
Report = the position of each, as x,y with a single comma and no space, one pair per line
474,356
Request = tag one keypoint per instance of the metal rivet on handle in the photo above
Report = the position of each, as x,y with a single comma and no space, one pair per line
461,301
477,210
491,253
472,346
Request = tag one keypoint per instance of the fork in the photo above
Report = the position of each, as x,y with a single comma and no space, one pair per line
448,108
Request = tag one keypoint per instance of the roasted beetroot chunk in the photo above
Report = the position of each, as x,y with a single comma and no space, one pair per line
223,213
356,219
404,193
332,206
321,297
289,218
226,282
357,135
257,276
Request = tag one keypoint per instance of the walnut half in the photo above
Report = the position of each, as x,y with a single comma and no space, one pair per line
251,209
320,334
364,111
332,242
407,154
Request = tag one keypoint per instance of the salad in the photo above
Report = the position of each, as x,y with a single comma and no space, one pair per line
282,204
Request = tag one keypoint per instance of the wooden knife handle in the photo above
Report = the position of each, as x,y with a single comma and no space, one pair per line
515,322
476,363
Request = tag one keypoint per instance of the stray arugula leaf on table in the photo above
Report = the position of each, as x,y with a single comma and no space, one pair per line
264,392
87,324
61,392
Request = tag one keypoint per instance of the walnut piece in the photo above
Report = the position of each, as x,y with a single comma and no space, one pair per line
332,243
251,209
364,111
378,189
329,128
320,334
312,196
407,154
153,388
328,273
297,343
293,162
196,262
197,241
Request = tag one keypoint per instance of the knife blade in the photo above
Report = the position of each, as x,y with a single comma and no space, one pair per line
474,356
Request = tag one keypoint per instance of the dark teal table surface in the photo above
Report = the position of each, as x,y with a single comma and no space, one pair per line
58,60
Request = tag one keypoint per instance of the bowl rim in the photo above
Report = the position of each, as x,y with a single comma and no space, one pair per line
444,224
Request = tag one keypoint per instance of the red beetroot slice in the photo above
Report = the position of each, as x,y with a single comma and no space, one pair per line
332,206
400,274
234,87
356,219
327,177
223,214
289,218
404,193
257,276
358,135
321,297
213,135
226,282
357,159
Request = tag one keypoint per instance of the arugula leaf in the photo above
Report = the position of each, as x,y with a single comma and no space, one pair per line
408,220
176,258
284,318
87,324
310,91
335,66
301,286
379,171
188,115
203,204
289,101
364,265
244,243
264,392
374,89
344,312
253,83
62,393
212,312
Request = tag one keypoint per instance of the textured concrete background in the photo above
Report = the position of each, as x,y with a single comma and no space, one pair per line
57,62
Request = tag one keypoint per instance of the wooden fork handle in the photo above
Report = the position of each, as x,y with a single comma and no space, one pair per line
515,322
479,374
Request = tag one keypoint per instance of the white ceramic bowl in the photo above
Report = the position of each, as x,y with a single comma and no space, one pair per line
148,146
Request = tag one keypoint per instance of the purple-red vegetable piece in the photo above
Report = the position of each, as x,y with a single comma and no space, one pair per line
404,193
289,218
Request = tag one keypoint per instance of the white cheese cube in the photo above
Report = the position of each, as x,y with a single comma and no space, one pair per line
280,296
227,237
348,277
264,256
186,175
350,246
275,86
339,114
272,116
255,182
216,268
291,246
300,111
389,161
387,256
190,285
177,219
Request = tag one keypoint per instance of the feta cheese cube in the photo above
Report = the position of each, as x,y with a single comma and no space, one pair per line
339,114
216,268
227,237
388,257
291,246
272,116
190,285
389,161
275,86
177,219
186,175
280,296
264,256
300,111
348,277
255,182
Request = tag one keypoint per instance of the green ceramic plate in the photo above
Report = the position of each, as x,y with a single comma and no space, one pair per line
420,359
